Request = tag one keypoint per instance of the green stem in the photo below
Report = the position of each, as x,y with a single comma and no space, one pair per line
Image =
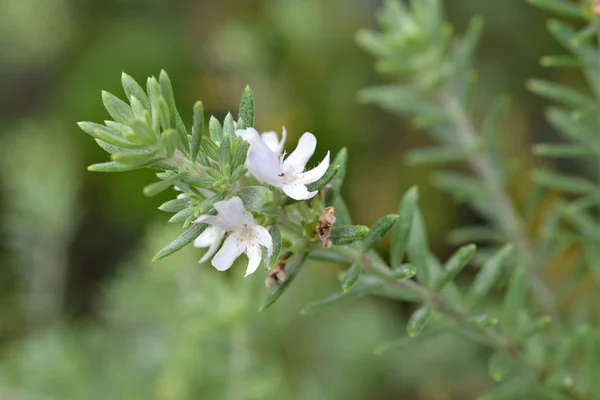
508,219
491,336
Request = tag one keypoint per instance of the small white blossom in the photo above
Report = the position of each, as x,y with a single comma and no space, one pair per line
267,162
244,235
212,237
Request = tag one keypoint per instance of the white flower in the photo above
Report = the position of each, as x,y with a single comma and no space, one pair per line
267,163
211,238
243,236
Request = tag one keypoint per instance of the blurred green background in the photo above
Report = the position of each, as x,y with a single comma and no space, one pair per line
83,312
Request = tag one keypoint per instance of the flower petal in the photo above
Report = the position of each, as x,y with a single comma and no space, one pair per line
298,191
296,161
214,220
272,141
249,134
254,254
232,248
233,211
263,238
316,173
209,236
211,250
263,163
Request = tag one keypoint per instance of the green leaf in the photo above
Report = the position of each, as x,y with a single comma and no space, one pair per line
572,128
277,246
133,89
165,116
117,108
351,276
106,135
500,364
292,270
491,127
342,214
133,158
238,173
182,215
325,179
343,235
564,150
170,141
197,130
215,130
418,250
225,153
560,93
255,197
246,112
489,274
514,301
468,45
186,238
111,166
378,231
211,149
228,126
561,7
240,150
418,320
145,133
158,187
404,271
560,61
401,233
166,90
175,205
340,159
455,264
567,183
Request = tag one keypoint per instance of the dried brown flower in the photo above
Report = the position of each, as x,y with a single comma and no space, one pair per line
326,221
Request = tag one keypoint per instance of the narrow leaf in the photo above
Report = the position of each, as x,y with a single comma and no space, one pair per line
111,166
197,130
561,7
117,108
499,366
246,112
158,187
325,179
351,276
133,89
277,245
401,232
418,321
343,235
455,264
378,231
489,274
187,237
514,301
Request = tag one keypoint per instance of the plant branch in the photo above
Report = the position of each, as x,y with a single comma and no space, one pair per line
508,221
492,336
